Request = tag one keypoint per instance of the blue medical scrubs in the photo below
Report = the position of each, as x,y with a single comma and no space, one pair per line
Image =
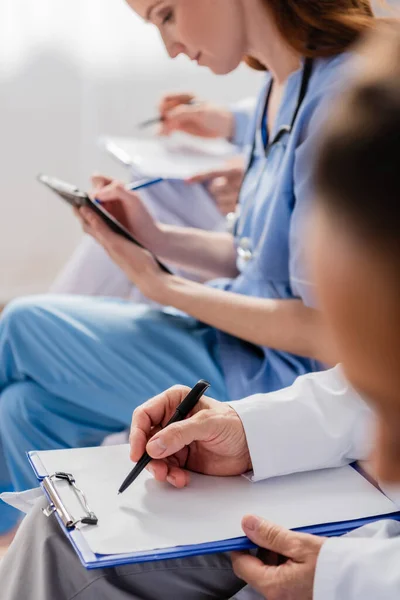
73,369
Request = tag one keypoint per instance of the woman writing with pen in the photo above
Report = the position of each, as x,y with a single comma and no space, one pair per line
83,364
200,202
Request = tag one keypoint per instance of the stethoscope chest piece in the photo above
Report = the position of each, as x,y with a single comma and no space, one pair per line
244,253
231,220
236,221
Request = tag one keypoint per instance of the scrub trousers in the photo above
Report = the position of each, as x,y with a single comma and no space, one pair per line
42,565
73,369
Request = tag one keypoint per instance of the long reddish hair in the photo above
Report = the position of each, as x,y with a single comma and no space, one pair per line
317,28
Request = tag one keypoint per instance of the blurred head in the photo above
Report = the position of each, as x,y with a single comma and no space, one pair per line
356,234
217,33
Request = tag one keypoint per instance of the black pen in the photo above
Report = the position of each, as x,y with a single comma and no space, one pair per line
182,411
157,120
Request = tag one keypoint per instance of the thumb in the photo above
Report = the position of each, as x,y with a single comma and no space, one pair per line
175,437
270,536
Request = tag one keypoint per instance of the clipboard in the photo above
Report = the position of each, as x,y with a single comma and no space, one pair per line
70,526
174,159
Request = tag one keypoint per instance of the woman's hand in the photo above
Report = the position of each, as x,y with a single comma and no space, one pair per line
184,112
129,210
138,264
210,441
224,184
290,569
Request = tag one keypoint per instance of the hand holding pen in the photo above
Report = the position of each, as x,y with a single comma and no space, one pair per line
183,410
167,104
211,440
128,208
186,113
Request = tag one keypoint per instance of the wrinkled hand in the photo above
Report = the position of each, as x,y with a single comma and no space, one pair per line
210,441
138,264
290,576
224,184
202,119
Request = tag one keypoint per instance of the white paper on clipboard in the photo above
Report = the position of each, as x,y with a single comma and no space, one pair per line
150,515
178,157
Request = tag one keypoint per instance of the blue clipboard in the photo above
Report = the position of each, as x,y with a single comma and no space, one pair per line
90,560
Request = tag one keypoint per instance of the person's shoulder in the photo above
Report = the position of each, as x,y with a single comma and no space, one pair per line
331,71
328,78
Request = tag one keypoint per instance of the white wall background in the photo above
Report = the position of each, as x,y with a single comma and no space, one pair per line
71,70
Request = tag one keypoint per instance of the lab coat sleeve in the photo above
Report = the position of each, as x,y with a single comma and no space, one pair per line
364,565
243,113
318,422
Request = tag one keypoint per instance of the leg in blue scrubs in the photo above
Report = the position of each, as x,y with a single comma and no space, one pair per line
72,370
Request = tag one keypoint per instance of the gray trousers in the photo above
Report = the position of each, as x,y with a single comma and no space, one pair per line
42,565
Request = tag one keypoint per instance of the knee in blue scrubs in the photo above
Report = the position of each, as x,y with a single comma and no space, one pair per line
72,370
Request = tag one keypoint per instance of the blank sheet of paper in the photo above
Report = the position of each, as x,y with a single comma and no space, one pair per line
150,515
178,157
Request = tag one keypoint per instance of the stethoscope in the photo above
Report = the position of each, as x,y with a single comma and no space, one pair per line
236,221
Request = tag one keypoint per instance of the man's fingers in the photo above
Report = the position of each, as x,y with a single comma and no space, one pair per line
158,469
163,471
151,414
178,477
141,426
160,407
178,435
252,570
138,439
271,536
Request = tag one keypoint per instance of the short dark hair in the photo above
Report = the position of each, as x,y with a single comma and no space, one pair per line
357,173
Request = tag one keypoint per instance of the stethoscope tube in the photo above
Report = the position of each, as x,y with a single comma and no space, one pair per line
234,220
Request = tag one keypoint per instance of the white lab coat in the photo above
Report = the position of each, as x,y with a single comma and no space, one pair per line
318,422
321,422
362,566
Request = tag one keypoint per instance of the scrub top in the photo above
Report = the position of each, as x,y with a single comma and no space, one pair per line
274,200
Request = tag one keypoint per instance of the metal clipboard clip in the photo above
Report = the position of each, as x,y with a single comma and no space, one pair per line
57,506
